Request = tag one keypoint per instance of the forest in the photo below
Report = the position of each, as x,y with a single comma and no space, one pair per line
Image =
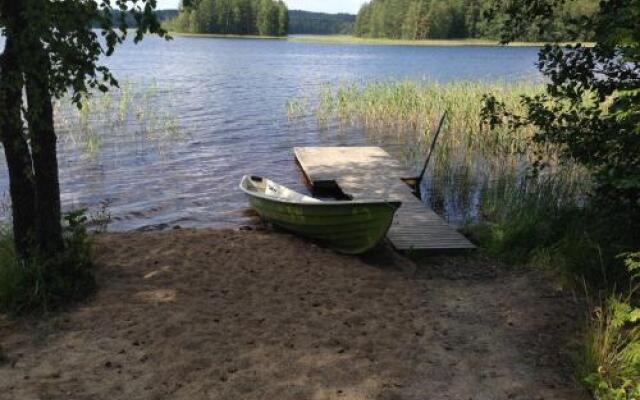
458,19
238,17
300,22
315,23
130,21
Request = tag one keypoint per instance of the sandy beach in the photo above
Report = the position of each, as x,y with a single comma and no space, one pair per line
209,314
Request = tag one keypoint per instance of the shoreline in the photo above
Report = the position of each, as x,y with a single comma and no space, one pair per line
225,36
349,40
354,40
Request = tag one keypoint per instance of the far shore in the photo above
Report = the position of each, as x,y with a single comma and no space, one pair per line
226,36
354,40
348,39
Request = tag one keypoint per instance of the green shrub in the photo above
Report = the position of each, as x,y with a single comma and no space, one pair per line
520,216
39,284
547,221
611,358
578,244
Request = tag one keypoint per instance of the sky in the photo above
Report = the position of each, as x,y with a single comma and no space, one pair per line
330,6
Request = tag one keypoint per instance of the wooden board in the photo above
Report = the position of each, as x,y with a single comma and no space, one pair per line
370,173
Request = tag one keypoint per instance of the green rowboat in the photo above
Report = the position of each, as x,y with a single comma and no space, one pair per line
351,227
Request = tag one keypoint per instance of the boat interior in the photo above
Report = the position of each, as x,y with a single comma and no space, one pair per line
268,188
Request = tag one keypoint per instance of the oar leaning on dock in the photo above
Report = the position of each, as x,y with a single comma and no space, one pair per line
416,182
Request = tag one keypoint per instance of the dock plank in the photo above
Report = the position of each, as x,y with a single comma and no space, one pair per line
370,173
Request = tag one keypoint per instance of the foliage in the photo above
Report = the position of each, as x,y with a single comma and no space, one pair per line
445,19
611,359
43,283
130,19
65,28
591,108
315,23
632,262
589,114
245,17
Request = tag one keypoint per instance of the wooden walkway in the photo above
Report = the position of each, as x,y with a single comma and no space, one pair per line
371,173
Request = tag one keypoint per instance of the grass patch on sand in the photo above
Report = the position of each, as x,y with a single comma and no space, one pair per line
40,284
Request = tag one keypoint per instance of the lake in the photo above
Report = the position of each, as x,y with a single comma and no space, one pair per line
227,99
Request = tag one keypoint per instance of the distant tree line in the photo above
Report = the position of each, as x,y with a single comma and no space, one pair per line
242,17
306,22
300,22
130,21
448,19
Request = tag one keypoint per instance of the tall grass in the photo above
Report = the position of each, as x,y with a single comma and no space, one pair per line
19,280
611,357
470,158
518,215
122,115
40,284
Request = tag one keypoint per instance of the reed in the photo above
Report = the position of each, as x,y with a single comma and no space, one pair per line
123,115
410,111
470,158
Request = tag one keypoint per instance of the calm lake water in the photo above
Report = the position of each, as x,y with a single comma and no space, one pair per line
228,99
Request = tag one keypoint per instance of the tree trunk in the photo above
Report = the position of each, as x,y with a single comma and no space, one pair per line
43,151
16,149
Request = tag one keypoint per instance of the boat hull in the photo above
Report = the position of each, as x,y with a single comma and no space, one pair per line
348,227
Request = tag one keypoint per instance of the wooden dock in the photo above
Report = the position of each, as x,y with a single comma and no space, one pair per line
367,173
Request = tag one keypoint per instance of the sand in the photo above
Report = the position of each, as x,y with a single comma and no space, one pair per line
261,315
